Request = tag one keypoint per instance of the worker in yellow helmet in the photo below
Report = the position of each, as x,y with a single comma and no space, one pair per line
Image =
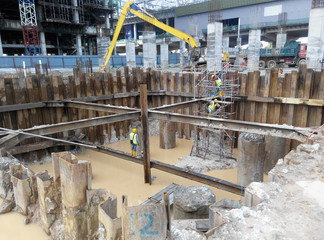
219,83
133,141
212,106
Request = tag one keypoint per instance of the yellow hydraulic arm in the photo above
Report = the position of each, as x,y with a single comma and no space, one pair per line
148,18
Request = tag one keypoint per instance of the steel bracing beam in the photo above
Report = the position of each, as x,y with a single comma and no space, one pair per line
198,177
290,132
14,139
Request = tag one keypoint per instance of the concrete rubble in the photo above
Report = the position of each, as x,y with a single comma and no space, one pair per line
192,202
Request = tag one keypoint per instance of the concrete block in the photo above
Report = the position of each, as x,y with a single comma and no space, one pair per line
216,211
108,217
255,193
47,200
192,202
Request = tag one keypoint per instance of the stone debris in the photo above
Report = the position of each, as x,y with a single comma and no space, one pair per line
197,164
6,206
290,206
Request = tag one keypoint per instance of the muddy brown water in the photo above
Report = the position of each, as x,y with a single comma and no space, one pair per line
122,178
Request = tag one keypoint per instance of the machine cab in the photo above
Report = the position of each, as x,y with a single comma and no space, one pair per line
302,50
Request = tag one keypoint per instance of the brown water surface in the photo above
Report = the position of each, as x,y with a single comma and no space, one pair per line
120,177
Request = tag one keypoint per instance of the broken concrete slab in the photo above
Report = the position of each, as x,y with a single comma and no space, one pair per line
192,202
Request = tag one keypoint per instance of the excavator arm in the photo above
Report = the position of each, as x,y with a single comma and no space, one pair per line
150,19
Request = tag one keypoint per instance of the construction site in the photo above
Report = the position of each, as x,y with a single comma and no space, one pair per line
160,119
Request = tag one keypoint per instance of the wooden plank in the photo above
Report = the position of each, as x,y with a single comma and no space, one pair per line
264,92
146,137
249,89
98,90
306,94
243,79
273,110
253,92
12,118
5,119
89,91
315,114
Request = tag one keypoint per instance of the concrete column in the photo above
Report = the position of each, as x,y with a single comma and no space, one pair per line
238,59
42,43
103,43
226,42
182,53
107,22
214,46
275,149
164,51
281,40
79,44
167,134
315,44
135,31
149,46
90,47
251,152
1,49
130,54
75,11
254,49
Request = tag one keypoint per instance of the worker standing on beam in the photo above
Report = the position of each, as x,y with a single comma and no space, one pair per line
134,142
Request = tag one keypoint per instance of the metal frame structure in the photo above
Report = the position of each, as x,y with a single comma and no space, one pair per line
206,87
29,27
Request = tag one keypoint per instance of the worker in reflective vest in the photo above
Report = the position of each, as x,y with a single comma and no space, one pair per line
219,83
134,142
212,106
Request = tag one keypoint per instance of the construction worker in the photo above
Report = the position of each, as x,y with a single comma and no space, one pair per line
212,106
134,142
219,83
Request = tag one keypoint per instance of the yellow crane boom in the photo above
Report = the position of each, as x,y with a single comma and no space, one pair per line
148,18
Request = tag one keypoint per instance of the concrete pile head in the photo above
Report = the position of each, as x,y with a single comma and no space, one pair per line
192,202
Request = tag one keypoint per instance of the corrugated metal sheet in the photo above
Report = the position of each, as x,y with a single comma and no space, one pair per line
225,4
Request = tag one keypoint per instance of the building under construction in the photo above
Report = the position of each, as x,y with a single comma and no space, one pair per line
161,130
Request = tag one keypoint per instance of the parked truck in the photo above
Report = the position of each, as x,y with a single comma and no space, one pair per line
293,53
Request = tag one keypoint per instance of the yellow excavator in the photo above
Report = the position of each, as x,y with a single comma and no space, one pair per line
130,7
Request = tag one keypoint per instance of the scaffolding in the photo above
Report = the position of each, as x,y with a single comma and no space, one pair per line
212,143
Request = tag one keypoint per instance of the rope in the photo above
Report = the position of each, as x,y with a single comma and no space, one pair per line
314,132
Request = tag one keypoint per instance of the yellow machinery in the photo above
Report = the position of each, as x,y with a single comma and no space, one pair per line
148,18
